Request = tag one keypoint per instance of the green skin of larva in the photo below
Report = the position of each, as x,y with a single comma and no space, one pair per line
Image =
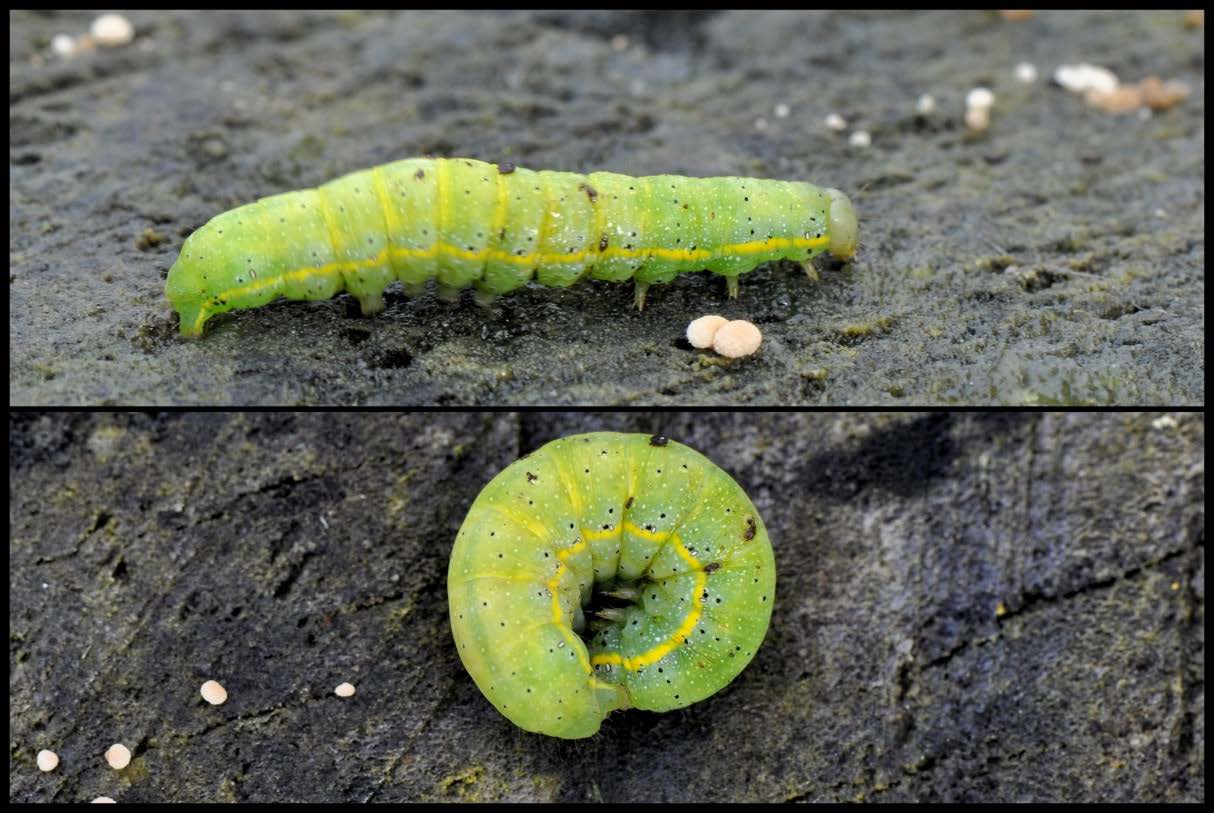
469,223
601,511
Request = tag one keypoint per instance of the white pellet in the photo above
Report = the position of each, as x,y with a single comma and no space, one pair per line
1084,77
980,98
926,104
118,756
782,111
344,690
701,331
737,338
860,138
47,760
103,800
836,122
112,30
213,693
977,119
63,45
1026,72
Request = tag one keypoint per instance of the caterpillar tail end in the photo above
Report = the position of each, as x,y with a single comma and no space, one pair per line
843,226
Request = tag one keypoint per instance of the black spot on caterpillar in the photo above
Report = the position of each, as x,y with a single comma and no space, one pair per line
658,440
558,629
750,529
496,228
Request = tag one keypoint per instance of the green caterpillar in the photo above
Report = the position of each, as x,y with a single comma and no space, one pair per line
608,571
496,227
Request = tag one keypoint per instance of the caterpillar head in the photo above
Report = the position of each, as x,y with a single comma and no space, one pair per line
186,286
209,273
843,227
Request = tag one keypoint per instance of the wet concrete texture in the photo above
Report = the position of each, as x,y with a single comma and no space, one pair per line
1058,258
976,607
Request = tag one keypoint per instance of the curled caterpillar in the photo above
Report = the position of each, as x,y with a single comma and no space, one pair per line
497,227
608,571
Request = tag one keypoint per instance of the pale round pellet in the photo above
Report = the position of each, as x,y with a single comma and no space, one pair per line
118,756
782,110
977,119
1026,72
47,760
63,44
860,138
836,122
112,30
103,800
701,331
737,338
926,104
344,690
980,98
213,693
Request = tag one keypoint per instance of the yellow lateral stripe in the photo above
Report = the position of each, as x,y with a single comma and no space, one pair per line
446,249
681,634
652,536
610,533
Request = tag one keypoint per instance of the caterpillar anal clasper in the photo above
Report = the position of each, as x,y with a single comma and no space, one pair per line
496,227
606,571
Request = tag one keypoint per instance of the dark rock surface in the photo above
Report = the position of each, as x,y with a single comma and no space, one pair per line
1057,259
970,607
